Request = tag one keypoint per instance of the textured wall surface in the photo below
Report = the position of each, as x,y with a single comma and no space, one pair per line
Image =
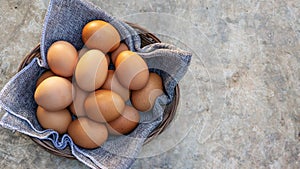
240,99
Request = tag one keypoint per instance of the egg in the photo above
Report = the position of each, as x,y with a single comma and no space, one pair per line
144,99
62,58
54,93
101,35
116,52
44,76
126,123
84,50
79,96
91,70
87,134
112,83
131,70
56,120
104,105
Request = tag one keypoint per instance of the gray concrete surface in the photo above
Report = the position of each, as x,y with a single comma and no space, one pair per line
239,100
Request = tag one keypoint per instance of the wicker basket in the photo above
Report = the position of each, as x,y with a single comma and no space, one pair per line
169,112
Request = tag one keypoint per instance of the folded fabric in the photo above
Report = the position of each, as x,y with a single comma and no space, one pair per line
64,21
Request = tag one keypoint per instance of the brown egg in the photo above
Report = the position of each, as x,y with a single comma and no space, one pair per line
79,96
57,120
86,133
44,76
120,49
101,35
112,83
54,93
104,105
91,70
131,70
62,58
126,123
144,99
84,50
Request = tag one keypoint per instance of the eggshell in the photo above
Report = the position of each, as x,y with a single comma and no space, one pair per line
84,50
104,106
62,58
126,123
44,76
79,96
101,35
144,99
56,120
91,70
54,93
131,70
112,83
116,52
87,133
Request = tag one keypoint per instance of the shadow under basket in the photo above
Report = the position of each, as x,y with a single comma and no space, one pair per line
168,115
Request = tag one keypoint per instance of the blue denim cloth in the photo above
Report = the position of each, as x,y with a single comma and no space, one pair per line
64,21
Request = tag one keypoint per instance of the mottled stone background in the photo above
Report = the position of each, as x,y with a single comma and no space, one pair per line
240,100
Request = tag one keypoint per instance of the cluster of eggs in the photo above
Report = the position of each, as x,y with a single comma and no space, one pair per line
80,96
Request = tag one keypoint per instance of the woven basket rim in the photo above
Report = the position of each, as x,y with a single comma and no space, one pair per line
168,115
